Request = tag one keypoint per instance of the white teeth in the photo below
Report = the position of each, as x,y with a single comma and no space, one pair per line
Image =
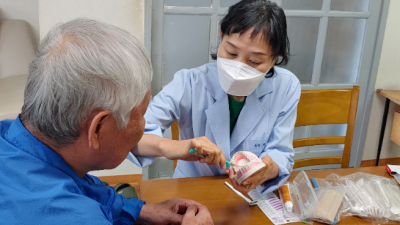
246,161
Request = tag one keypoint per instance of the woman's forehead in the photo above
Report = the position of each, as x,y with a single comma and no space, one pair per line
245,40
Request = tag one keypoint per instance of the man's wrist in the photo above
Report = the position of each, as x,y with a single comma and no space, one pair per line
144,216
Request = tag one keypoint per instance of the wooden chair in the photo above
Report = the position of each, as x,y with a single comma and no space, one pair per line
175,136
330,106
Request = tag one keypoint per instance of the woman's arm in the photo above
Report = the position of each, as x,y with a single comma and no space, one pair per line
155,146
173,104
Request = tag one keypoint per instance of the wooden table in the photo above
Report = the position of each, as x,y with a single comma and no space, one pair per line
225,206
391,96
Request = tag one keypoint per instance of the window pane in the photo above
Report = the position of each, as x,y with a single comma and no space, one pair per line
186,43
219,28
350,5
342,54
320,131
192,3
326,131
227,3
299,132
302,4
303,34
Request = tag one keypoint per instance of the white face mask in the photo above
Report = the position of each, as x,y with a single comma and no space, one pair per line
237,78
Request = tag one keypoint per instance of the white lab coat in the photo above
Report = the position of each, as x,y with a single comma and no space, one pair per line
196,101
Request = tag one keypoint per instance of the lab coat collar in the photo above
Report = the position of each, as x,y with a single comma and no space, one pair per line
265,87
220,124
249,117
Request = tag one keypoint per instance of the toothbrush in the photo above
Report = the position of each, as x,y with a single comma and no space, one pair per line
196,153
231,164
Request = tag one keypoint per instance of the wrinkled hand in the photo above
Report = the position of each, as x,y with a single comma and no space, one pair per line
197,215
170,211
214,154
268,172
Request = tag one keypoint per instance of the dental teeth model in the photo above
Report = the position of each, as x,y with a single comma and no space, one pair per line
248,163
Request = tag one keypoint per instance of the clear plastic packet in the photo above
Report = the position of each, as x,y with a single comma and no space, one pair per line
371,207
388,194
331,180
393,192
371,197
302,196
330,200
290,201
361,198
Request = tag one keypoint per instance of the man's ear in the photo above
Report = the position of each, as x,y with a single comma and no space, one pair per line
95,127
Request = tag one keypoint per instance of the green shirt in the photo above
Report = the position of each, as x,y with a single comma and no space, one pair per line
234,111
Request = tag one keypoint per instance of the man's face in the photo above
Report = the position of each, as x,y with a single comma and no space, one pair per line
118,144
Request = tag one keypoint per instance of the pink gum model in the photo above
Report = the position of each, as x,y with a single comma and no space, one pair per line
249,164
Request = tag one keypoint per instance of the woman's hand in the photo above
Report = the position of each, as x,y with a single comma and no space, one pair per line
213,155
268,172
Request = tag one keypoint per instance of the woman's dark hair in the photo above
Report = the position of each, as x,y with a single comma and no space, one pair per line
265,17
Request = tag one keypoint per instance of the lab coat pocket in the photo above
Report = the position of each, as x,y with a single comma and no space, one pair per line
255,146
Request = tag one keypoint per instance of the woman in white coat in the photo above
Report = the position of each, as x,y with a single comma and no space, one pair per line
241,102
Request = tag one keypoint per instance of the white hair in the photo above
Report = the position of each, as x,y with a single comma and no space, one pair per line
81,66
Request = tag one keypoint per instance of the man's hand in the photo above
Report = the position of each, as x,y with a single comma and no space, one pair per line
180,150
170,211
268,172
197,215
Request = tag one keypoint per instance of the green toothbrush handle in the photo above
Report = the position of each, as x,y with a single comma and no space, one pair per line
196,153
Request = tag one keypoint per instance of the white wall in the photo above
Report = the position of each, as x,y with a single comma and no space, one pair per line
388,78
22,10
126,14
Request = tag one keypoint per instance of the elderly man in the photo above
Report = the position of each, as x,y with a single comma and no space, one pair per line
87,92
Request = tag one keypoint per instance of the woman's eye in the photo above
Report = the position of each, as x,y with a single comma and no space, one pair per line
255,63
231,54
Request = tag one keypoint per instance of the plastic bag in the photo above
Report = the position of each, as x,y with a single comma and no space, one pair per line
303,197
330,200
331,180
373,198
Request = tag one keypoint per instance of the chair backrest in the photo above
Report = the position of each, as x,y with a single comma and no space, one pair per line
316,107
329,106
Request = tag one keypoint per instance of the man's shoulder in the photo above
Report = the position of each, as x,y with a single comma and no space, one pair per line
35,192
55,211
43,200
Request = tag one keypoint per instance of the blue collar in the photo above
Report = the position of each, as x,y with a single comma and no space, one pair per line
20,137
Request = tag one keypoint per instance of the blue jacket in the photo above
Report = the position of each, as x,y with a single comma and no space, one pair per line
197,102
38,187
